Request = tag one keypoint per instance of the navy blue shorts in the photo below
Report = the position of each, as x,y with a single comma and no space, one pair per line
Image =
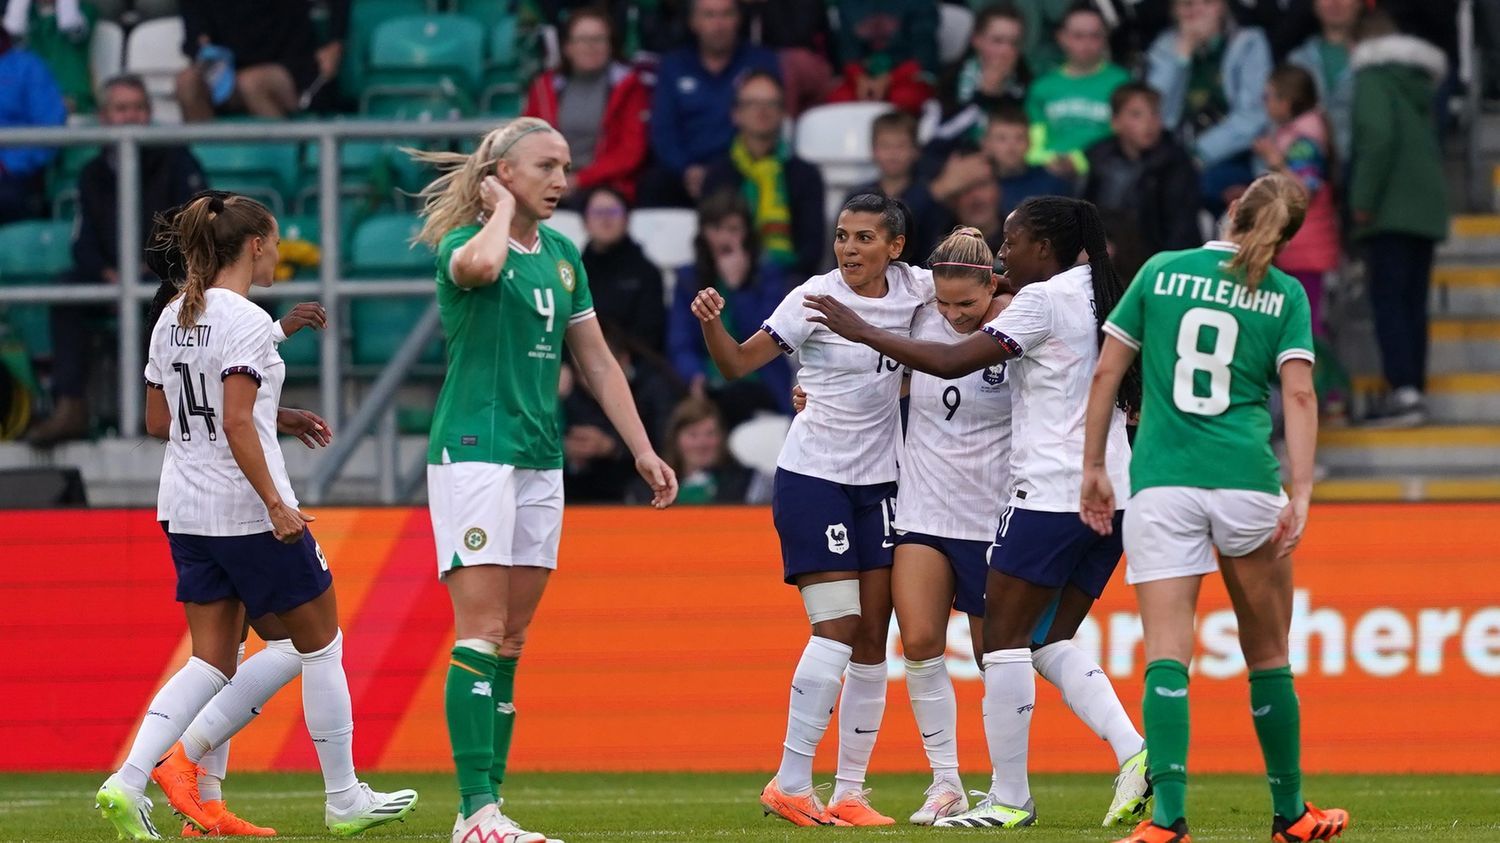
263,573
828,526
1054,549
967,558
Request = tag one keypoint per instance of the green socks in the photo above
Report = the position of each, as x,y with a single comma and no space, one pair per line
505,719
1278,725
469,702
1165,712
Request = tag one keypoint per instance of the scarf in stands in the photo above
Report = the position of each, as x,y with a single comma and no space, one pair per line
765,189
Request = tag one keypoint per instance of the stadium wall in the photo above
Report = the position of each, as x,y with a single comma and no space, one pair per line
667,639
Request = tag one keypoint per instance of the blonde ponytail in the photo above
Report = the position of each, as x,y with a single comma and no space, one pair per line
210,233
1265,219
452,199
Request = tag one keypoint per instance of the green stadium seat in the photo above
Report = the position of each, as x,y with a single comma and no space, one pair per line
504,85
427,50
364,17
266,171
33,252
382,247
417,103
301,349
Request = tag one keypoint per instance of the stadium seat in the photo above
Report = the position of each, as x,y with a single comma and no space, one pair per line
487,12
954,26
415,102
444,51
106,50
756,443
836,138
364,17
33,252
154,52
382,248
301,349
367,168
504,88
570,225
265,171
666,235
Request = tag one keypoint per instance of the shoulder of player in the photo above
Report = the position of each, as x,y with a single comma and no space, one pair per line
458,236
555,242
913,279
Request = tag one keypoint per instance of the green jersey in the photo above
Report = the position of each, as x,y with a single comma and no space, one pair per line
505,343
1210,347
1069,113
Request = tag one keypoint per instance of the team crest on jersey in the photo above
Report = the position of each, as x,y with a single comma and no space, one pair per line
995,375
475,539
838,538
565,275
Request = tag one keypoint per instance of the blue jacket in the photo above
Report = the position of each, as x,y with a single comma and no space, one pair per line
28,97
691,109
749,307
1033,181
1245,69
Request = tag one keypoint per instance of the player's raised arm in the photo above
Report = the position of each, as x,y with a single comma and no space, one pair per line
945,360
735,359
478,262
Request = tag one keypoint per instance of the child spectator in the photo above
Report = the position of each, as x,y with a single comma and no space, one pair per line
1007,142
727,258
626,285
1142,181
1069,107
600,105
706,473
893,141
784,192
889,52
1326,56
994,74
1300,146
1397,199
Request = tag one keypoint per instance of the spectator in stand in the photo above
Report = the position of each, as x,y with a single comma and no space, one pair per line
1142,181
693,104
978,205
600,105
58,33
597,467
1397,200
889,52
727,258
706,473
993,75
785,193
798,31
28,97
627,288
279,68
1300,145
1043,19
1007,143
1326,56
893,142
170,176
1069,107
1211,73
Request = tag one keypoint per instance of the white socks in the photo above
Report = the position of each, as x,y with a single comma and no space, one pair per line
1009,696
935,708
232,709
861,708
1087,690
171,710
214,764
815,691
330,719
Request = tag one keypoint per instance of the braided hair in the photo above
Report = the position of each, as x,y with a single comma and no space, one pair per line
1073,227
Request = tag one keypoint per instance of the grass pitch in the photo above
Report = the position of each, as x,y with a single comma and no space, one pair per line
582,808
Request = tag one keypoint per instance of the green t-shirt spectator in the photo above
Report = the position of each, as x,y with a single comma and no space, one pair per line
1069,113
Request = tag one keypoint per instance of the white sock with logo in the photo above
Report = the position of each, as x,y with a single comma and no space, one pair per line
861,708
935,707
1087,690
214,764
232,709
330,720
169,714
1009,696
815,691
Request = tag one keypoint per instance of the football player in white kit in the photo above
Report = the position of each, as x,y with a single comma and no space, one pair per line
1051,334
239,543
832,501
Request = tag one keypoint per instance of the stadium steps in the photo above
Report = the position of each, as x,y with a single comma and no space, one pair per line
1446,450
1413,488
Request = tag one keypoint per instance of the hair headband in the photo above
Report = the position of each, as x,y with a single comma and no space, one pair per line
539,127
968,265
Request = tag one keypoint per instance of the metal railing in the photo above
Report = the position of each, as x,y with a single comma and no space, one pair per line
330,288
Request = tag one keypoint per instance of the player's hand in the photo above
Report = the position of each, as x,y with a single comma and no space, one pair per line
1289,526
288,524
307,314
1096,503
660,477
836,317
708,305
305,425
495,197
799,398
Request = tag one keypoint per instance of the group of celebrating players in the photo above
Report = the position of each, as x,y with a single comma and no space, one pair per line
1011,496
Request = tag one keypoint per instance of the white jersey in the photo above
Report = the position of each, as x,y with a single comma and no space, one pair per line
850,432
203,492
1050,326
955,479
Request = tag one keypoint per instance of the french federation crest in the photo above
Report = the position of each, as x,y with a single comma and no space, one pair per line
565,275
995,374
838,538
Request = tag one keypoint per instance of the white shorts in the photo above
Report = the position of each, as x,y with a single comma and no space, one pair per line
489,514
1171,531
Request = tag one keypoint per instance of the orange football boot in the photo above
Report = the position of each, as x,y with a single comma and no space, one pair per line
855,809
1314,824
797,810
228,825
1150,832
178,779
